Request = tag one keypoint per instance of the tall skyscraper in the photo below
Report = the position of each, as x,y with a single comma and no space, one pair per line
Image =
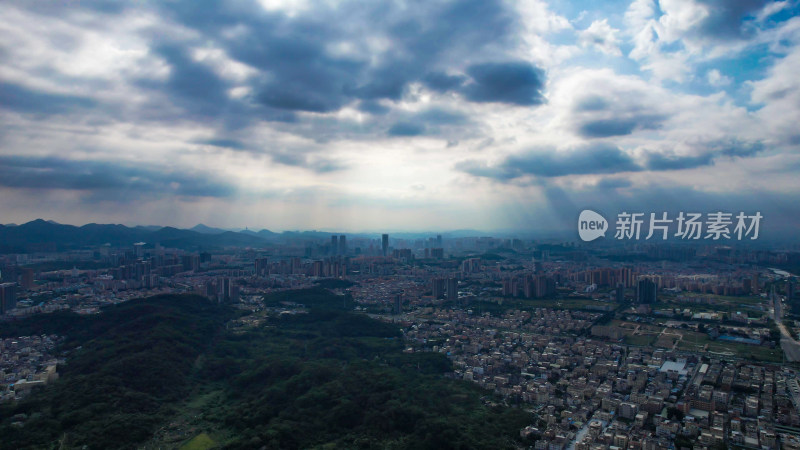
334,244
452,289
385,244
342,245
646,291
754,284
26,278
437,289
262,267
620,293
794,304
8,297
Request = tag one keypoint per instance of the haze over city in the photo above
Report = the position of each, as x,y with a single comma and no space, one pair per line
397,115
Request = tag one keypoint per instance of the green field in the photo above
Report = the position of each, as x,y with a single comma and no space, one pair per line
700,342
640,340
502,304
693,341
200,442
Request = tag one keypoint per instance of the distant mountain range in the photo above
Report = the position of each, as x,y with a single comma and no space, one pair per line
47,235
42,235
205,229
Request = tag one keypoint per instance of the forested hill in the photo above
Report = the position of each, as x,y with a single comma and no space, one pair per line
133,365
171,371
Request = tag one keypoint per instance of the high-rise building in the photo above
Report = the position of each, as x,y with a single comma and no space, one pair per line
620,293
8,297
471,265
385,244
646,291
439,240
26,278
510,287
262,267
754,284
437,253
227,290
317,268
191,262
223,289
545,286
342,245
334,244
528,287
452,289
398,303
438,288
794,303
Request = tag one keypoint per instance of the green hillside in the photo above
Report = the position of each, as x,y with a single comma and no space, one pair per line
173,370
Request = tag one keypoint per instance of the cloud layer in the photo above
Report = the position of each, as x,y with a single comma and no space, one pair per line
411,114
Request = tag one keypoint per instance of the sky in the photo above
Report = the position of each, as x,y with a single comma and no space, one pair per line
399,115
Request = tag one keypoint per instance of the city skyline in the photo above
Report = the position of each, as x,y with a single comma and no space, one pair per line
397,116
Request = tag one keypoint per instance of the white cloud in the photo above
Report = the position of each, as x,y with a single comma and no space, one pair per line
678,18
772,8
538,21
601,36
716,79
779,93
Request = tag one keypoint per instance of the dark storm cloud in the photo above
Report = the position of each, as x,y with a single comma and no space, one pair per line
584,160
658,161
726,19
602,158
591,159
102,176
298,72
605,159
736,148
592,103
440,116
429,121
297,65
407,129
191,81
24,100
200,93
613,183
442,82
618,126
63,8
298,158
705,154
517,82
197,90
372,107
224,143
600,117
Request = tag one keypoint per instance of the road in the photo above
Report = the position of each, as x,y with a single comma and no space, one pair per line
791,348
